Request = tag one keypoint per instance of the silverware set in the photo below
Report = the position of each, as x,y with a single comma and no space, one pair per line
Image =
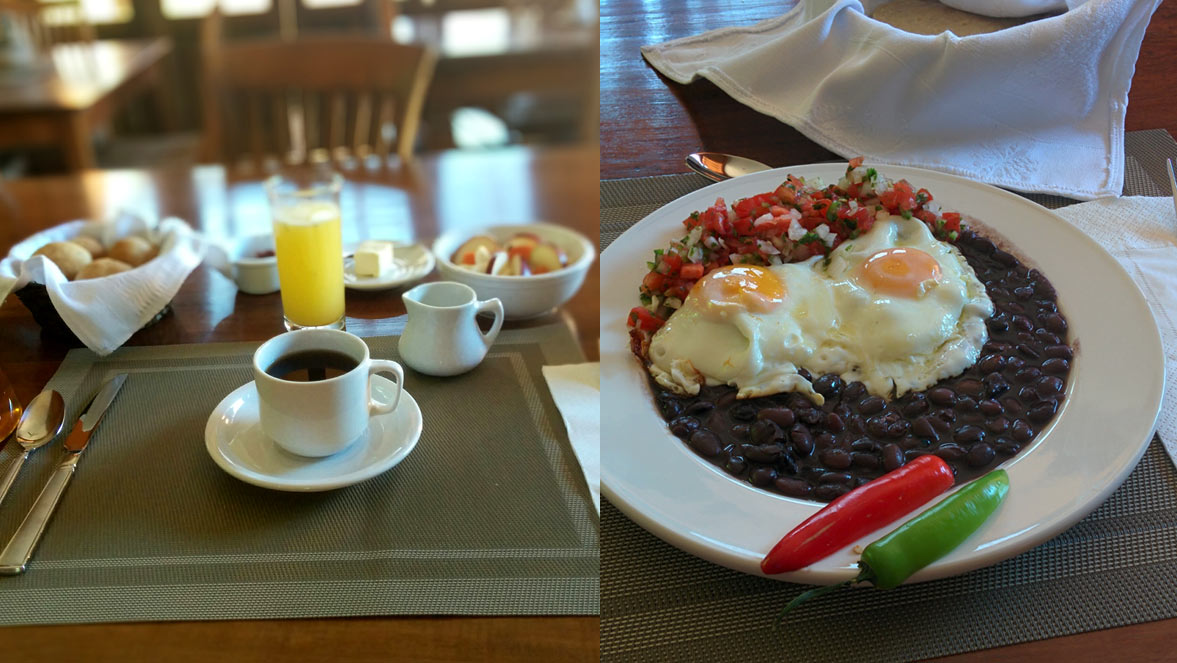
40,424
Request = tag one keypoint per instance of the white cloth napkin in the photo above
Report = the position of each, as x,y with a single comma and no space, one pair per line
1037,107
1142,234
104,312
576,388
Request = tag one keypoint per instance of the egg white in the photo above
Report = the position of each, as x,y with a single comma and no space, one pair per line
830,321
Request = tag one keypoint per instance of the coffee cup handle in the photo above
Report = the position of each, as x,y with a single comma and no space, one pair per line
384,366
495,307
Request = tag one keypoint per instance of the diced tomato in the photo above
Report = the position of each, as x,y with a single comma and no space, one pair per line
754,206
642,319
672,262
856,162
691,271
951,221
654,282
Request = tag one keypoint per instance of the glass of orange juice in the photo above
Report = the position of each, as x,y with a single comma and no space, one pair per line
308,242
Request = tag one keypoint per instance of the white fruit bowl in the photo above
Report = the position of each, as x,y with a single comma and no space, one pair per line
522,296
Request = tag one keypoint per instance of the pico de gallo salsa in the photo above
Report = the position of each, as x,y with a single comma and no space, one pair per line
794,222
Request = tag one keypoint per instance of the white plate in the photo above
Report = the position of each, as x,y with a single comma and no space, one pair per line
1102,430
235,441
410,262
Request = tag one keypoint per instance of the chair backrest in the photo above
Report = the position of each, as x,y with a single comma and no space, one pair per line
312,99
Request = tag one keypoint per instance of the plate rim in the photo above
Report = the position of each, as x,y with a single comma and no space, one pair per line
696,544
307,485
370,284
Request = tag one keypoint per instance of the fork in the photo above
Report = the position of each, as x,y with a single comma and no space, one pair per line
1172,183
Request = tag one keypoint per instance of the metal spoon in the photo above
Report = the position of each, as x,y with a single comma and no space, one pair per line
40,423
718,166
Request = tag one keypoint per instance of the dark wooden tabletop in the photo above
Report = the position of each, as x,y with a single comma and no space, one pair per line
81,75
650,123
444,191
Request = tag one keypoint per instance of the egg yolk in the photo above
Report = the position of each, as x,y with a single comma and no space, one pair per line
900,272
750,287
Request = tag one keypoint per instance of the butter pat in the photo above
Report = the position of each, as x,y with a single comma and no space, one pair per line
373,258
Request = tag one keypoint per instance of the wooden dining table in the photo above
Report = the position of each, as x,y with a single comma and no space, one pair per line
440,192
76,90
650,123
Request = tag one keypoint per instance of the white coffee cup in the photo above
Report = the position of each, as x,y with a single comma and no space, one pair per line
326,416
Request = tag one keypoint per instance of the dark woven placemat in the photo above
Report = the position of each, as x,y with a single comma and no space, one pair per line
489,515
1116,567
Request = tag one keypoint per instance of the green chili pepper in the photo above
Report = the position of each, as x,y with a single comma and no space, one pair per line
886,563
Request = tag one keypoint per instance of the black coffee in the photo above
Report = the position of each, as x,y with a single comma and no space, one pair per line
311,365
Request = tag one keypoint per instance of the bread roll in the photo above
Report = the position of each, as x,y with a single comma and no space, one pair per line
96,249
102,267
133,250
68,257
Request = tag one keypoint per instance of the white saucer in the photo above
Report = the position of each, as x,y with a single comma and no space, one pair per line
410,262
236,443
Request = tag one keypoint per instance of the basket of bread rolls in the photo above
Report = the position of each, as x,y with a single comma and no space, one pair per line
99,282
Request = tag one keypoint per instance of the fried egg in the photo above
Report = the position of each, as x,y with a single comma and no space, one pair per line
894,308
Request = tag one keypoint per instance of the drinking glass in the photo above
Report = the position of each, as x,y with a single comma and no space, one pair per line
308,242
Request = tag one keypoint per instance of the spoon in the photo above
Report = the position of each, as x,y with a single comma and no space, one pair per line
718,166
40,423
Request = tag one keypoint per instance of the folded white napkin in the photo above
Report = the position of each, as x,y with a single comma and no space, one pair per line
1037,107
104,312
576,388
1142,234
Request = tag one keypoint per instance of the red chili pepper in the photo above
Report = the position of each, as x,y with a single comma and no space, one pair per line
860,512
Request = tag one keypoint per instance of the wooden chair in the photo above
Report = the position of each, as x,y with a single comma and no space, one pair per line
314,99
60,22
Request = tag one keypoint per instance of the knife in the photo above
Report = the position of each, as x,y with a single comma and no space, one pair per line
20,548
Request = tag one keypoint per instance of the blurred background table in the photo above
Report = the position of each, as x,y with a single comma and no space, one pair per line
439,192
81,88
650,123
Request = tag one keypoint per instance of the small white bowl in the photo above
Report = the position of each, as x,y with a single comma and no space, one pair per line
522,296
254,275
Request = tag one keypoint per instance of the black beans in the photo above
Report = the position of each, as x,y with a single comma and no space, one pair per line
793,487
892,457
764,431
1049,386
700,407
684,426
735,465
765,453
810,416
866,460
781,416
969,434
991,363
836,459
1055,323
836,477
830,491
916,404
971,387
990,408
872,405
942,396
980,455
705,442
829,385
998,425
1060,351
853,391
950,452
1043,411
763,476
1056,366
1021,431
670,407
802,441
864,444
835,423
995,385
743,412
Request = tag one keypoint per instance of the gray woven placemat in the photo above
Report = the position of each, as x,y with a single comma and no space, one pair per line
1116,567
489,515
